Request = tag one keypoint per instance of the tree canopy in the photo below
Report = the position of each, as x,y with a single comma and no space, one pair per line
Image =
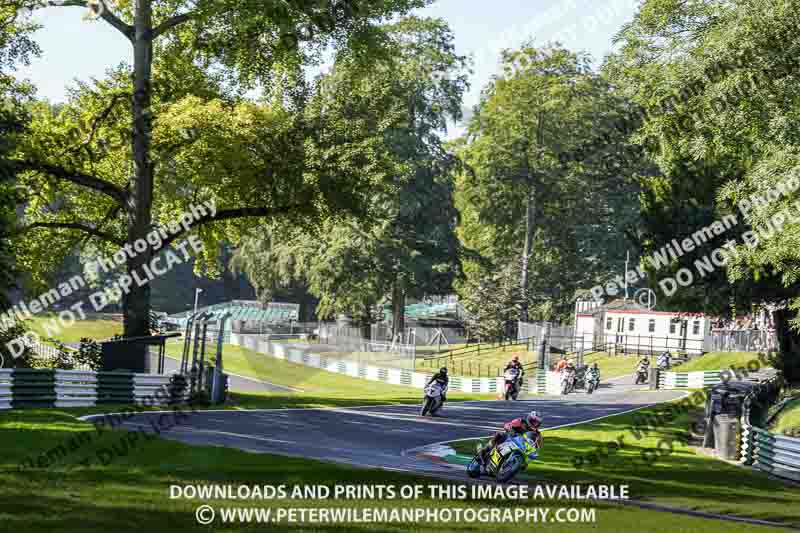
173,128
407,244
718,86
550,179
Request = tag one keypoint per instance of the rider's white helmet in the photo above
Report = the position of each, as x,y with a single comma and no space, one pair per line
533,419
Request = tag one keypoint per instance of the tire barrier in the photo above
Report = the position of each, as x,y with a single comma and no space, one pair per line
21,388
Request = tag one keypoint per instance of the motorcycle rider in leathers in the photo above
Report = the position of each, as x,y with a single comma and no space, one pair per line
528,423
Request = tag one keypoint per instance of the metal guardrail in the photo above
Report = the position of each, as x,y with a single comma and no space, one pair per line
778,455
25,387
707,378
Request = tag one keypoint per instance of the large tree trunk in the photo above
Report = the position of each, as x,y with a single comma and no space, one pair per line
136,304
788,344
530,227
398,311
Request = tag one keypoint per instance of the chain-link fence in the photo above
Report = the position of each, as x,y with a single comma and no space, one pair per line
749,340
418,335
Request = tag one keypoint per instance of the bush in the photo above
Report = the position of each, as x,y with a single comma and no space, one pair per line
7,360
90,354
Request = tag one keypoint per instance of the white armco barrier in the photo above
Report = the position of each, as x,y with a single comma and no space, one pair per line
707,378
548,383
76,388
6,393
301,354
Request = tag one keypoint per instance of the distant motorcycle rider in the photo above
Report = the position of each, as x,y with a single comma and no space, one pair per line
642,369
593,372
528,423
515,364
442,379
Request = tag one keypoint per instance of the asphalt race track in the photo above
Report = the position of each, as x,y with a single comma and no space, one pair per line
382,436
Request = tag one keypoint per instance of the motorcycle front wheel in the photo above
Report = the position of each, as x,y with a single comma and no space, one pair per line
426,406
436,404
474,468
510,467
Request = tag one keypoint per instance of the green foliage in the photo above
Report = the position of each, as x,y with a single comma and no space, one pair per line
407,245
492,300
89,354
15,48
173,130
550,175
718,86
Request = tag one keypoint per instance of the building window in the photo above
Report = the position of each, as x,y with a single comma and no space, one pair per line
696,328
651,325
608,323
631,324
671,326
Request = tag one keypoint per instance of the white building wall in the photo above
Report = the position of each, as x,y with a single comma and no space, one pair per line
585,328
664,334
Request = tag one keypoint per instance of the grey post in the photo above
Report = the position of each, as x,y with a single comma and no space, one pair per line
653,377
196,344
218,381
726,433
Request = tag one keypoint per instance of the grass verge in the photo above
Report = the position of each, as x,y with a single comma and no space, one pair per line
788,421
319,388
624,449
612,366
132,491
97,329
490,362
719,361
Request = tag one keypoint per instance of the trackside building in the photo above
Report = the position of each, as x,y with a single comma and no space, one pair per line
625,326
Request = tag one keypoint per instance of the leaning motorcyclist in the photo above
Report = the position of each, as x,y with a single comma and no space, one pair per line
665,360
644,363
441,378
515,364
528,423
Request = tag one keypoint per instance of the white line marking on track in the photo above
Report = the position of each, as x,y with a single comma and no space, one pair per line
178,429
685,394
